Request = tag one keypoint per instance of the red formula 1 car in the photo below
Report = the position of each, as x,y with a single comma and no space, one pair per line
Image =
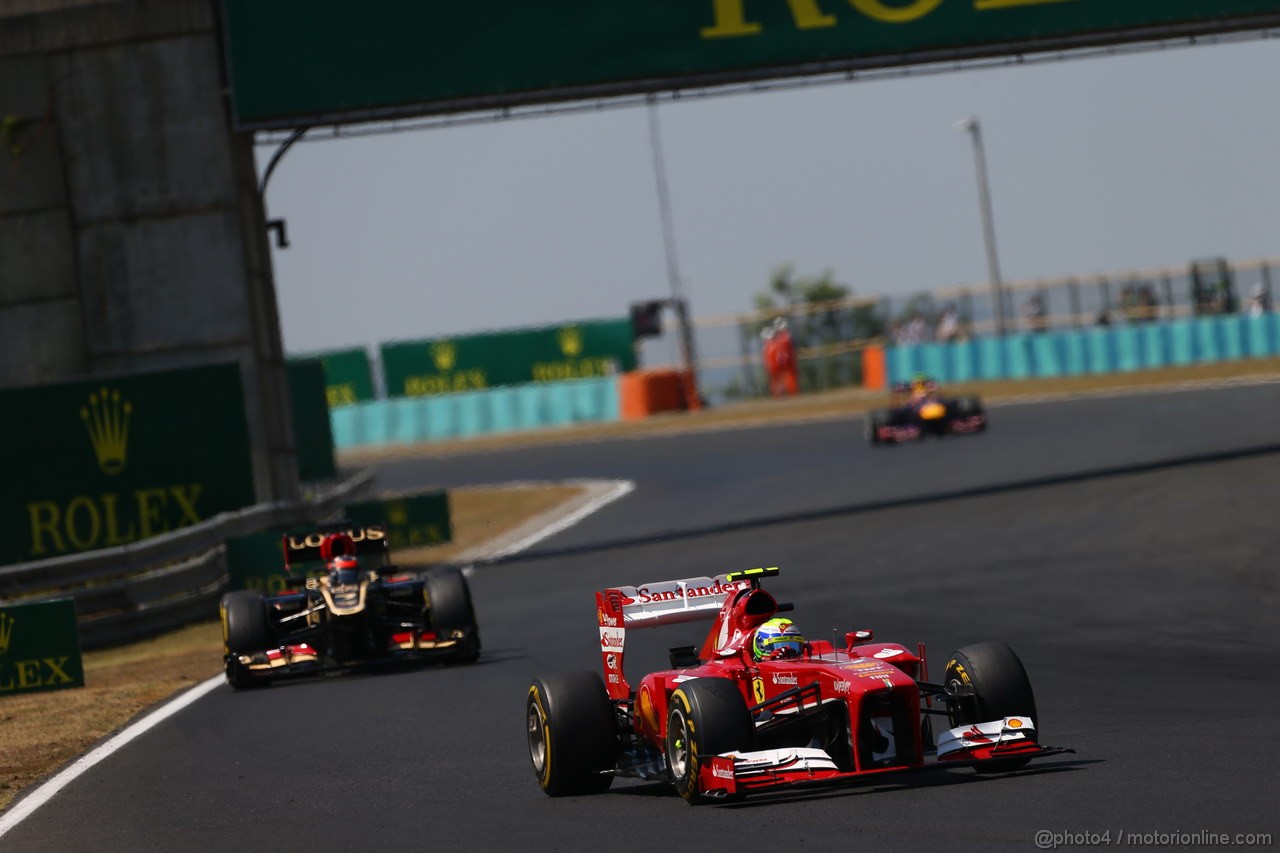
917,410
721,724
362,611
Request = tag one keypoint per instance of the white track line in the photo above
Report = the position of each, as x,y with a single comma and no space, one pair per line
68,774
600,493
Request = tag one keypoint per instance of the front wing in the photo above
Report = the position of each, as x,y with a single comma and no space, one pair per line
992,744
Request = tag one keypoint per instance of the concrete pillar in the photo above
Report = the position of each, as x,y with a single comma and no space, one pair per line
132,235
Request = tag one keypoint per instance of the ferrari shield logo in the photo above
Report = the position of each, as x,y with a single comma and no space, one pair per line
757,689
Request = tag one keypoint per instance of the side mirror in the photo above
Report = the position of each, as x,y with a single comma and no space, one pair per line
852,638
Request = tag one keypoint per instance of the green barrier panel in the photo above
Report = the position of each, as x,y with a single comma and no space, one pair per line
412,521
256,561
39,647
312,433
591,349
348,375
136,455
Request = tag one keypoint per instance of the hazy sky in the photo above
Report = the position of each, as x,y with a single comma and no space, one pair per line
1142,160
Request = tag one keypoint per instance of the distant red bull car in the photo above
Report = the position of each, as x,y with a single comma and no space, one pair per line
720,724
917,410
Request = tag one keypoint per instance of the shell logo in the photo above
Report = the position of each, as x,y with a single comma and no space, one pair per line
1015,724
647,712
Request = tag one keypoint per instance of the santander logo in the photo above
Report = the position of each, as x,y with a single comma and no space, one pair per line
612,639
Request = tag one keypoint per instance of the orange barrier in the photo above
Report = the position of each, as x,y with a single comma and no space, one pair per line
645,392
873,368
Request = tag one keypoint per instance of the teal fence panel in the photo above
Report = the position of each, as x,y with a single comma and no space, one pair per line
1260,335
405,420
1128,349
1146,346
1046,353
1100,346
1155,345
1182,342
964,361
1231,332
1075,360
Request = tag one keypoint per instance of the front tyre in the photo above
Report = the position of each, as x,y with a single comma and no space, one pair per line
1000,689
245,630
573,736
451,610
707,717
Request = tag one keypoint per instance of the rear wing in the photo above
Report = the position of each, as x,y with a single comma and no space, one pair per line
661,603
310,546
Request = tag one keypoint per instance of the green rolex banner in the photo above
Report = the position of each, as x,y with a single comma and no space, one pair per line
474,362
348,375
412,521
39,647
109,461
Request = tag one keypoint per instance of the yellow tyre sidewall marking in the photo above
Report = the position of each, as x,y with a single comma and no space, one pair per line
535,696
691,765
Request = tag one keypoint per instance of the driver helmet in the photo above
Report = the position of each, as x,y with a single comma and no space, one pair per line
777,638
344,569
921,384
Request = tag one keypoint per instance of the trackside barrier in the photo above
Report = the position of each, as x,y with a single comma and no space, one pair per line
164,582
1109,349
407,420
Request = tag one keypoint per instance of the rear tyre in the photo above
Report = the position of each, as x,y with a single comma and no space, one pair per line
573,736
707,717
245,630
1000,689
449,600
874,421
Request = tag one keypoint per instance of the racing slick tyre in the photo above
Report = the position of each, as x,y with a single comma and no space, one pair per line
1000,689
245,629
573,734
449,598
707,717
874,421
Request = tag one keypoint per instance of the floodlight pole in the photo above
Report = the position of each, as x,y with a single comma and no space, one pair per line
688,353
988,225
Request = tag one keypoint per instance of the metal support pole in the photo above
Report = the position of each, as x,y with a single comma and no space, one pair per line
988,225
687,352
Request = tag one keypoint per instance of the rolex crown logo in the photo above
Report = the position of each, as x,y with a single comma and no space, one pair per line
6,632
398,513
445,355
107,419
570,339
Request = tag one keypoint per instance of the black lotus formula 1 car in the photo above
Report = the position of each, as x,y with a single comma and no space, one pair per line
917,410
360,611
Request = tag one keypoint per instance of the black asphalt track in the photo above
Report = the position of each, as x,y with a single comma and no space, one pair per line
1128,549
